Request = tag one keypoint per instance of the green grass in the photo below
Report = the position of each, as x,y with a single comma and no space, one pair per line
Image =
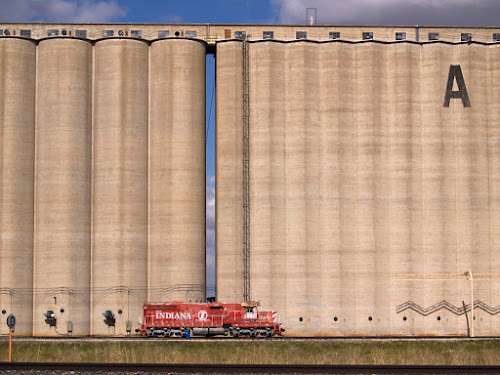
469,352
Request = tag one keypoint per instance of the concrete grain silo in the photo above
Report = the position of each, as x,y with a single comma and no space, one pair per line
17,145
177,171
370,194
229,175
62,185
120,183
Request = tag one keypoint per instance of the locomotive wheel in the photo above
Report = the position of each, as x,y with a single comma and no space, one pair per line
235,333
253,333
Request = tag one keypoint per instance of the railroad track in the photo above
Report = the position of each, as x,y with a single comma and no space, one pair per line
241,339
250,369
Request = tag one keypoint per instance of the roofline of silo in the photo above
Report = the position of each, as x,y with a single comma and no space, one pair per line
247,24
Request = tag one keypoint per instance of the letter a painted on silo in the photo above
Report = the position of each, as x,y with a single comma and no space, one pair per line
456,73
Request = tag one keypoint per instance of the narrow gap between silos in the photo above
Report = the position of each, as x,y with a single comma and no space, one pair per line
210,175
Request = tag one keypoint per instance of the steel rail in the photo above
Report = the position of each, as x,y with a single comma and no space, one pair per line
254,369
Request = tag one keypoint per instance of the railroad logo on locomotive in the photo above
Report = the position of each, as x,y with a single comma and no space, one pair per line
202,315
171,315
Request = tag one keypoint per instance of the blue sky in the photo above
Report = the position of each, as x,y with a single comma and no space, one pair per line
389,12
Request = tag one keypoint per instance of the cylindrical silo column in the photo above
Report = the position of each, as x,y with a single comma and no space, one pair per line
177,171
62,185
120,188
17,144
229,172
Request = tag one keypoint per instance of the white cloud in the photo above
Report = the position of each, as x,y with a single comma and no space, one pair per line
392,12
210,233
61,10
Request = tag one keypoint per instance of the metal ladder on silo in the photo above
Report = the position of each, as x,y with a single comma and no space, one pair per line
246,173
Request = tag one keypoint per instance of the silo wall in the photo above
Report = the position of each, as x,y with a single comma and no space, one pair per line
62,185
17,145
369,197
229,172
102,180
177,171
120,183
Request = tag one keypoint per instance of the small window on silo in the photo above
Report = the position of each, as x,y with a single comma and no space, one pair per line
1,31
400,36
163,33
466,37
301,35
240,34
433,36
334,35
268,35
26,33
136,34
52,32
107,33
191,34
496,37
367,35
81,33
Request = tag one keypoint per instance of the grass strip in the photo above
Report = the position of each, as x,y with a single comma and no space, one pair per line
380,353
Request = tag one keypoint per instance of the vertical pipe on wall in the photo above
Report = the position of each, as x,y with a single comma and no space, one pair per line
229,163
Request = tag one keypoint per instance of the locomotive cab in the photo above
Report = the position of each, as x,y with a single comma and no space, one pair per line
250,312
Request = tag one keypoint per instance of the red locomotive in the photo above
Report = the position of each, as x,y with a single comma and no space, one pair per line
208,319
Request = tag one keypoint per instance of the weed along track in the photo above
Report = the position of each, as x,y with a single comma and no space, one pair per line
257,352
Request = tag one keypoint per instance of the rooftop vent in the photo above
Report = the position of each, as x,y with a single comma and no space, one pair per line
466,37
367,35
136,34
240,35
401,36
301,35
268,35
334,35
433,36
81,33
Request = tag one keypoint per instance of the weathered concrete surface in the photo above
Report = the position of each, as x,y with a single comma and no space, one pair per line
102,185
229,175
177,171
62,184
120,182
359,177
17,146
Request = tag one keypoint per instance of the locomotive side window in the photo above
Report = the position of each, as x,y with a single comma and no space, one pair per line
250,312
